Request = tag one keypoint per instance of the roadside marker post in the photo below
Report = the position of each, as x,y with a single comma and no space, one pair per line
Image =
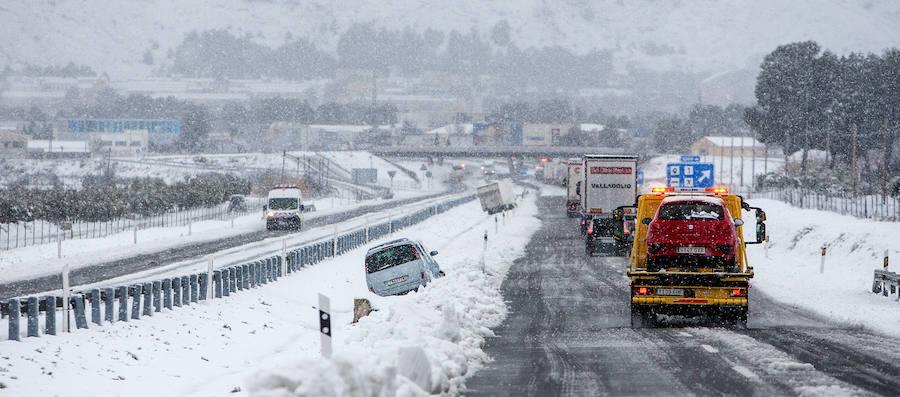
885,260
325,325
822,263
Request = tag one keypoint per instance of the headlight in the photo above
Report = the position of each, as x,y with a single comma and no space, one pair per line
270,214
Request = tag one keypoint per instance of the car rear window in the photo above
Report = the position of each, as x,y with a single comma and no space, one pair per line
691,211
390,257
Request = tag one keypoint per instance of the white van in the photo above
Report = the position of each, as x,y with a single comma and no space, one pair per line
284,208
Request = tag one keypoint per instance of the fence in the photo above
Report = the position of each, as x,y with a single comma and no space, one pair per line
869,206
23,234
169,293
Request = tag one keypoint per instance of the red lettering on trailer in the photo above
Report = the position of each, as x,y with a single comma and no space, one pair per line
610,170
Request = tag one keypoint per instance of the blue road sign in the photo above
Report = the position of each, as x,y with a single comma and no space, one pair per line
690,175
523,171
690,159
640,177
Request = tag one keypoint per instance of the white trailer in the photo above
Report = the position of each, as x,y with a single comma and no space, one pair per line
496,197
610,181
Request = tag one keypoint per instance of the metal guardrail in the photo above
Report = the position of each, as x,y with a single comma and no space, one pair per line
885,281
170,293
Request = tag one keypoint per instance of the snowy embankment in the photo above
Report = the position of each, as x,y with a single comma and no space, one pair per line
266,341
422,343
843,292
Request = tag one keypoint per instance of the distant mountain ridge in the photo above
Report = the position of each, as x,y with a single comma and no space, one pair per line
702,36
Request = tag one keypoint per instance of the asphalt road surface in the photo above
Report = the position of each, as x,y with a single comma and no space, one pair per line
111,269
568,333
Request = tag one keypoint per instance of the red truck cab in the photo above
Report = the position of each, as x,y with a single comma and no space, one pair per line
692,232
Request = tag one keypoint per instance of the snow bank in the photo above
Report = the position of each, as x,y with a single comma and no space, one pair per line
843,292
266,340
422,343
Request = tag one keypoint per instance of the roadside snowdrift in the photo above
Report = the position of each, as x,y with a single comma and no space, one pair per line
268,337
422,343
855,247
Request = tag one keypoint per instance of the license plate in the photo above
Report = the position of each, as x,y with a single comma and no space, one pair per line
607,240
691,250
670,291
396,280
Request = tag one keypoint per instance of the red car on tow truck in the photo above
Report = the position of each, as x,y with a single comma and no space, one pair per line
690,232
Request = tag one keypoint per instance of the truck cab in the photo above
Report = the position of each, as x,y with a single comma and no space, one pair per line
284,208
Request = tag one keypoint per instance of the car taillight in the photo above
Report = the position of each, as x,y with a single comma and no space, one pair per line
641,290
655,247
423,275
739,292
725,248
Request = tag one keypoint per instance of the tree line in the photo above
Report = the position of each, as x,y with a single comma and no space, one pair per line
808,99
102,198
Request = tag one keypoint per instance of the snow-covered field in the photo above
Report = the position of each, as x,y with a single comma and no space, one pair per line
266,341
843,292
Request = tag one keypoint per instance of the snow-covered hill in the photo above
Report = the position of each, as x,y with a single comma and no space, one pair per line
705,35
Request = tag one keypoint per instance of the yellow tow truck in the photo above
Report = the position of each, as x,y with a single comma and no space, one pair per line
691,281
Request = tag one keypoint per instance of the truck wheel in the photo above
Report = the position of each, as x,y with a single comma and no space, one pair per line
642,317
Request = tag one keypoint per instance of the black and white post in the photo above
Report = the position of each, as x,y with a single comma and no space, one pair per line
325,325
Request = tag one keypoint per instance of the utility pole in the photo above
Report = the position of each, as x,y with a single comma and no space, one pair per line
108,160
731,164
884,163
753,164
743,147
853,157
283,156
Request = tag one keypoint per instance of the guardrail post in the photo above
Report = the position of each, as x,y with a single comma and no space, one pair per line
50,315
250,281
185,290
15,311
267,271
217,283
203,279
157,305
194,288
234,279
32,328
243,278
95,307
123,303
167,293
176,291
109,304
136,301
80,315
147,289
